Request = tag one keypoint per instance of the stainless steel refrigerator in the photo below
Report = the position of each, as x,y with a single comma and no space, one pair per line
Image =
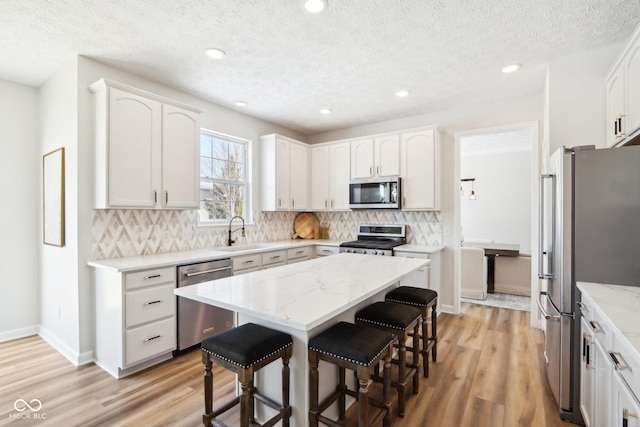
589,231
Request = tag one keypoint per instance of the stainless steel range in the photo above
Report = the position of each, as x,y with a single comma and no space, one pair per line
376,239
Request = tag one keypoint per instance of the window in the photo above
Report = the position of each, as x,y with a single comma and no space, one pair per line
223,177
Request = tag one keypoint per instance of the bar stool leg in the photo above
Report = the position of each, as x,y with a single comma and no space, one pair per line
313,389
363,400
246,384
208,391
402,369
434,337
416,358
342,386
386,388
286,373
425,342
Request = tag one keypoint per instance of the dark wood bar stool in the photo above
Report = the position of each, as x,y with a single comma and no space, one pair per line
400,320
244,350
360,349
425,300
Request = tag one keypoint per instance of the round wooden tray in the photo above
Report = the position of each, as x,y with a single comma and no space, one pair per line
303,225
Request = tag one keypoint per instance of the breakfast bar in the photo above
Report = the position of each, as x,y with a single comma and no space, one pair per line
303,299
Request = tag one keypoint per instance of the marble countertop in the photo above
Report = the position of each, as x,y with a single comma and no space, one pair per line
304,295
126,264
620,305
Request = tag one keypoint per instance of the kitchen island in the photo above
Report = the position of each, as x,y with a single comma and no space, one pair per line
304,299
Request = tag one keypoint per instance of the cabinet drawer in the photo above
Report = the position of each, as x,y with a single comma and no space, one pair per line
248,261
627,363
156,276
150,340
327,250
295,253
274,257
149,304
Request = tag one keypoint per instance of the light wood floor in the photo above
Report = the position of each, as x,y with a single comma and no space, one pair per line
489,373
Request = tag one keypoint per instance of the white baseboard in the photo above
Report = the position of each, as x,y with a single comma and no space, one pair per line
61,347
446,308
15,334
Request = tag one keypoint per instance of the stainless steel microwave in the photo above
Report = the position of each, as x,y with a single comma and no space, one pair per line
375,194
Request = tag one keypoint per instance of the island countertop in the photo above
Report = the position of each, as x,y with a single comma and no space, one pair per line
304,295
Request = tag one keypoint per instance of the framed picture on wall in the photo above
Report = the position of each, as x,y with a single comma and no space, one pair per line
53,197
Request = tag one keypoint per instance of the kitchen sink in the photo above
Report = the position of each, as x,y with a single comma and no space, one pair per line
248,247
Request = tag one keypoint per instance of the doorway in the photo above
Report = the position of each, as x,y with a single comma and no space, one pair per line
497,174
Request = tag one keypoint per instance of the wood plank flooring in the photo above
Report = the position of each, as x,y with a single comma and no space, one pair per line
489,373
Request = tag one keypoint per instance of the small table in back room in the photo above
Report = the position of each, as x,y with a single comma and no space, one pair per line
491,250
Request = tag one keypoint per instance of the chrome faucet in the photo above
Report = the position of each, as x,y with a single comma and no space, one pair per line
231,241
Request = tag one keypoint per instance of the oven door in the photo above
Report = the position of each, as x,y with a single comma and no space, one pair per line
374,194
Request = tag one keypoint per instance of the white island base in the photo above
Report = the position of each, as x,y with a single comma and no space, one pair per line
304,299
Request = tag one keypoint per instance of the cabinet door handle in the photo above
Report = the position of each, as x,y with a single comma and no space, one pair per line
596,327
622,134
331,203
152,338
293,203
325,204
619,366
583,306
153,276
152,302
275,257
299,252
166,198
615,128
155,197
249,261
625,417
370,170
213,270
279,203
378,169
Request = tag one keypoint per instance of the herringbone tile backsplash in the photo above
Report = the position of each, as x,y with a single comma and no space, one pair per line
121,233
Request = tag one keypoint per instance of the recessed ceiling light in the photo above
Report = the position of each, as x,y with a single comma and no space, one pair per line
215,53
240,103
402,93
315,6
325,111
511,68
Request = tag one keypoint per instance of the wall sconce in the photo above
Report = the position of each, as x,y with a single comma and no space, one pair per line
472,196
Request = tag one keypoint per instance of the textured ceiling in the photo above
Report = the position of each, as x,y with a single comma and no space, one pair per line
500,142
288,64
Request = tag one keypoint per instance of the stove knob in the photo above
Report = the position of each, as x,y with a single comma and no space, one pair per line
381,253
374,252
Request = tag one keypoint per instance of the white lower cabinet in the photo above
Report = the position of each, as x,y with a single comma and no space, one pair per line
427,277
322,250
626,408
299,254
135,319
607,372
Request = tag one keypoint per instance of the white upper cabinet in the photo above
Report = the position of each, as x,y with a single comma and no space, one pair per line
339,175
615,106
420,169
146,150
375,157
387,155
320,178
632,72
285,173
180,157
623,94
330,176
299,179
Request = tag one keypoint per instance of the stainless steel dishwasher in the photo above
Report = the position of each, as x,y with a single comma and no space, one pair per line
196,320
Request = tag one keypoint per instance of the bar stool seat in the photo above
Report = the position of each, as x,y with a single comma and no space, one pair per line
398,319
360,349
244,350
425,300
